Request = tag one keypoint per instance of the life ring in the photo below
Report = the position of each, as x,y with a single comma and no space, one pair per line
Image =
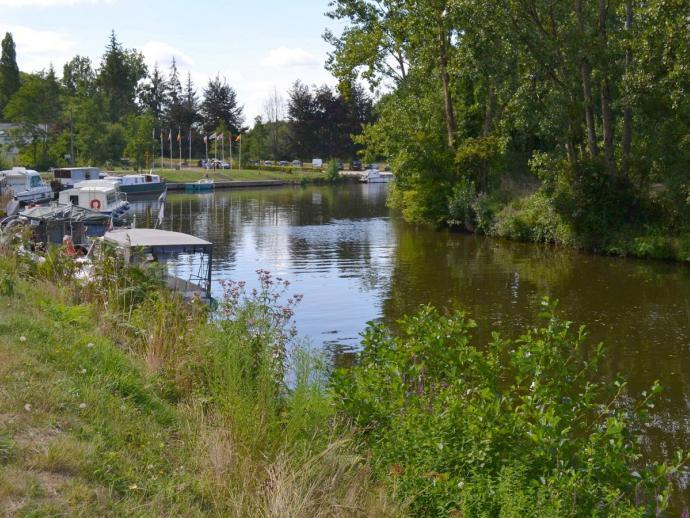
95,204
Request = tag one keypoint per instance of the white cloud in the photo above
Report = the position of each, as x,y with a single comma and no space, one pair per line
284,57
36,50
163,54
48,3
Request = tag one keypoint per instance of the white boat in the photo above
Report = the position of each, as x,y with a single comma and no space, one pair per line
68,177
376,176
99,195
139,183
26,185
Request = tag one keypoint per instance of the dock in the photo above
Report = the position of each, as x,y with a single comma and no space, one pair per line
233,184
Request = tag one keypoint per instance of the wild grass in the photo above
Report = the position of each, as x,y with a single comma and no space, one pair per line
119,398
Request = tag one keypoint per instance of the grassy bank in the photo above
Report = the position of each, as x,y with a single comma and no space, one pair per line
112,403
192,175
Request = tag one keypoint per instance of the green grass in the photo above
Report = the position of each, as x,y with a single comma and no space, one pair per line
190,175
116,405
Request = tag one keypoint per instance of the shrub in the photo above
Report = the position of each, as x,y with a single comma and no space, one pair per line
511,429
532,218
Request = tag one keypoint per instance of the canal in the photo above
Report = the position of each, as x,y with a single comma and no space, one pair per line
355,261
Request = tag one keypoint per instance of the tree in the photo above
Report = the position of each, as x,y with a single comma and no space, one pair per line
78,76
220,105
190,104
174,108
9,71
274,112
119,76
139,135
154,94
36,107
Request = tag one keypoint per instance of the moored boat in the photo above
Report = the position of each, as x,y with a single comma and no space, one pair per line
205,184
98,195
376,176
26,185
139,183
68,177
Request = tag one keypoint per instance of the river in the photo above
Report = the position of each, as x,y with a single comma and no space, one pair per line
355,261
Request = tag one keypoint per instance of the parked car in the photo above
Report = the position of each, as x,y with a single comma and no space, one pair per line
340,165
317,163
217,164
356,165
283,163
296,163
373,166
268,162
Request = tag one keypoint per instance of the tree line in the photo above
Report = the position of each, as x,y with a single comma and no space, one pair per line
587,99
98,114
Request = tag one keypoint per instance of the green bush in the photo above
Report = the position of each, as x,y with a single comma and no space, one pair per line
532,218
515,428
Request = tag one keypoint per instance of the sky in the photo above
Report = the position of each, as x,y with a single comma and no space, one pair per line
259,46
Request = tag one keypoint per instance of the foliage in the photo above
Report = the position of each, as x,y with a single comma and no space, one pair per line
512,428
590,93
9,71
220,106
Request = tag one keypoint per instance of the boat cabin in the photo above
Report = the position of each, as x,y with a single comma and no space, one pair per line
98,195
70,176
25,184
164,247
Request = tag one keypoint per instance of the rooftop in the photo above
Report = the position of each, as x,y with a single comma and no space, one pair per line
148,238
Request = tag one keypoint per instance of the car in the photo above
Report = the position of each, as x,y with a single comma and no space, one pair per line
296,163
356,165
373,166
283,163
340,165
268,162
317,163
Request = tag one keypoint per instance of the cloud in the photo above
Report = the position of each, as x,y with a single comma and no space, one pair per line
48,3
163,54
36,49
285,57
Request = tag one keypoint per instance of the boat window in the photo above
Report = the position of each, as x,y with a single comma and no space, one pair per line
35,181
62,174
74,199
148,178
111,198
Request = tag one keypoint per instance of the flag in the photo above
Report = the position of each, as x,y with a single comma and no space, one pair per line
239,137
161,210
179,136
213,136
170,136
205,139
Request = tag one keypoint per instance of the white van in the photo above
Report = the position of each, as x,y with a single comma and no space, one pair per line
317,163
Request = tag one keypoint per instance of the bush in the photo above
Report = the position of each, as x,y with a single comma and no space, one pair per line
515,428
532,218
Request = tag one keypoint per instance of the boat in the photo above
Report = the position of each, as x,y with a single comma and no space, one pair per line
139,183
68,177
205,184
376,176
98,195
160,246
51,223
26,185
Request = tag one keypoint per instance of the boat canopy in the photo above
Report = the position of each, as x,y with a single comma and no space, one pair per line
161,240
72,213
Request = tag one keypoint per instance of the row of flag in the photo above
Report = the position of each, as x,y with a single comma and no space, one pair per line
213,137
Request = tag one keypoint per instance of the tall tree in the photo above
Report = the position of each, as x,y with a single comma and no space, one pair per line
119,76
78,76
174,109
220,105
154,94
9,71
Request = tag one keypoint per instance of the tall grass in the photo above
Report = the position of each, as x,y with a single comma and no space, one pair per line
236,438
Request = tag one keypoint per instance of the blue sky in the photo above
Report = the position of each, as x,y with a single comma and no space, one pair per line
258,45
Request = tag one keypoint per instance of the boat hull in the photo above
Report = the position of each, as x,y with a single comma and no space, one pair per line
199,187
144,188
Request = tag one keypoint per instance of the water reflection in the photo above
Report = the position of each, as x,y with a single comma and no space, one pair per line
354,263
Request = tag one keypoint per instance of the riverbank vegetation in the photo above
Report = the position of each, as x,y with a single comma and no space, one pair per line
556,122
119,396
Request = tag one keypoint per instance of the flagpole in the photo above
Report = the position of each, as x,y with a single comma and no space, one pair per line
230,144
239,166
171,151
161,148
206,144
222,145
179,144
190,147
